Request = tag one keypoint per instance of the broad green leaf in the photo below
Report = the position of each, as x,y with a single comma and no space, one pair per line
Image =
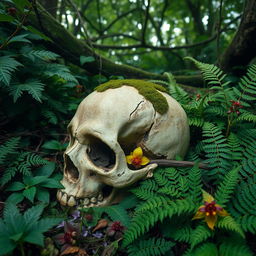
15,198
53,145
6,245
31,181
15,186
16,237
43,195
51,183
5,17
84,59
32,215
46,223
45,170
30,193
35,237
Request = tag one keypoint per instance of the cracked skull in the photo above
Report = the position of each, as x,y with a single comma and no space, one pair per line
108,126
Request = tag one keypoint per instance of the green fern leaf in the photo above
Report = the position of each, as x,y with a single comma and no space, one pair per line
200,234
7,66
145,219
234,248
206,249
33,87
150,247
229,223
8,148
210,72
227,186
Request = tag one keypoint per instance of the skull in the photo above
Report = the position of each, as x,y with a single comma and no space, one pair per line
107,126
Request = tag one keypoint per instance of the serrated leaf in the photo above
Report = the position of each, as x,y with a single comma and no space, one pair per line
30,193
33,87
16,237
15,198
46,223
15,186
51,183
7,66
43,195
45,170
6,245
35,238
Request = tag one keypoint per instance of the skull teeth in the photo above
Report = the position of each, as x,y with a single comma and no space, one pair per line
71,201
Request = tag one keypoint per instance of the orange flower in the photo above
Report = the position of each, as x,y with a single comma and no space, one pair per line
136,158
210,211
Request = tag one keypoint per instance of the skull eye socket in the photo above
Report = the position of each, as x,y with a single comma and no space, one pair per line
101,154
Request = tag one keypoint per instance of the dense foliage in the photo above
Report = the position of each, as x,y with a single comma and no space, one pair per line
39,92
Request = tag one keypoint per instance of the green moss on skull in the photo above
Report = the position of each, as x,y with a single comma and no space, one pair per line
149,90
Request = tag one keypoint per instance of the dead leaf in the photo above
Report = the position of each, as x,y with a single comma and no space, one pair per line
101,224
69,250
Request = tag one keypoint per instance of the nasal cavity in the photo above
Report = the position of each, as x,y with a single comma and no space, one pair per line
70,170
101,154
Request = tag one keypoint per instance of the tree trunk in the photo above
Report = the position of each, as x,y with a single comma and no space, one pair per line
71,48
243,46
50,6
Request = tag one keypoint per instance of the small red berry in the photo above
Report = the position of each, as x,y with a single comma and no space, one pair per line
12,11
89,217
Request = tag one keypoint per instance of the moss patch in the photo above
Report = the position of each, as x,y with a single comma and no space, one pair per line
149,90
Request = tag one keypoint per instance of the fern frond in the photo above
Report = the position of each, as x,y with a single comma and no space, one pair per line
236,248
235,147
9,173
8,148
247,85
247,116
41,54
144,220
33,87
117,213
150,247
227,186
210,72
7,66
50,116
195,185
216,149
200,234
229,223
54,69
206,249
182,234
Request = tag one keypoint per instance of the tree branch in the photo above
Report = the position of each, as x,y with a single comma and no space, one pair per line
144,28
71,48
118,18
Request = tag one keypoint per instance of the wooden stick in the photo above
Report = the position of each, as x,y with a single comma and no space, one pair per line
174,163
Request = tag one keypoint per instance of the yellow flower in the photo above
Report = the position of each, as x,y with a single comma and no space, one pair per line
210,211
136,158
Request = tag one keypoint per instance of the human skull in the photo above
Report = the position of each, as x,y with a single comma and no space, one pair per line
107,126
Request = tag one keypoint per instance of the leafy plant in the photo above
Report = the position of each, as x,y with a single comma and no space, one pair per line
35,186
17,229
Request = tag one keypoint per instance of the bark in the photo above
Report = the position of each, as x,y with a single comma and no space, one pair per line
50,6
242,48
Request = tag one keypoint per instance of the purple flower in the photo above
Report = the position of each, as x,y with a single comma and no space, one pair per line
61,225
84,232
75,215
98,234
